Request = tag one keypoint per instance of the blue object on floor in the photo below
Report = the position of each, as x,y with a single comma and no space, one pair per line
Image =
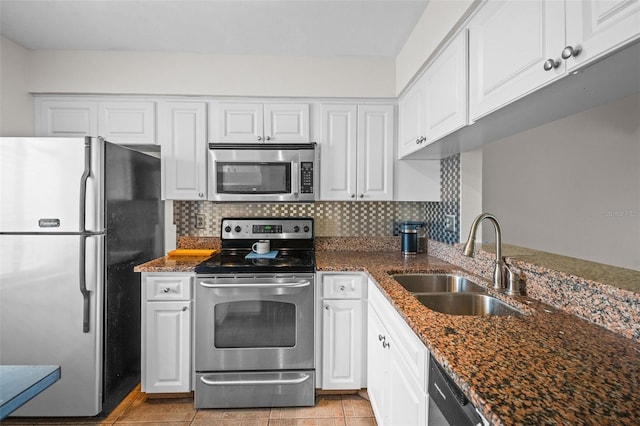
20,383
271,255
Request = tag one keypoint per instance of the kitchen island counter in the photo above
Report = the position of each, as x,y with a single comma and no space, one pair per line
544,367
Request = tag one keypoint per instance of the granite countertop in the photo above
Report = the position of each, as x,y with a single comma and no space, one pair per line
544,367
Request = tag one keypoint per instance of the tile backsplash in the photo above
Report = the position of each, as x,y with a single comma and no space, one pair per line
337,219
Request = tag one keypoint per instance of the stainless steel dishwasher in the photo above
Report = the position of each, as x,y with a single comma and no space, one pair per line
447,403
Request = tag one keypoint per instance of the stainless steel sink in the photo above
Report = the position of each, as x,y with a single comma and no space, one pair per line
466,304
437,283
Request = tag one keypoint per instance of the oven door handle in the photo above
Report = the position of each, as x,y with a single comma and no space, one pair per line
294,381
233,284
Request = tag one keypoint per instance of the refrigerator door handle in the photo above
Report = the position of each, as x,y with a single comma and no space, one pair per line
83,184
83,284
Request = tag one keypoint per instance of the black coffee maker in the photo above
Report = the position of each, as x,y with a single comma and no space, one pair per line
409,237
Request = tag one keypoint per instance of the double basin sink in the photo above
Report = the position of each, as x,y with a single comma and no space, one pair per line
453,295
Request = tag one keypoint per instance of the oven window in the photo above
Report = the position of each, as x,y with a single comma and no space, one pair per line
253,178
255,324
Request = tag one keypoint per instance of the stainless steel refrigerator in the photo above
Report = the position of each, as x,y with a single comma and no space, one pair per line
76,215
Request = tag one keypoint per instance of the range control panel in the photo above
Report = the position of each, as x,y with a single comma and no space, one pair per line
267,228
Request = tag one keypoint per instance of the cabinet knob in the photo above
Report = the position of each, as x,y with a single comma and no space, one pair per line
341,288
200,194
353,195
420,140
550,64
166,290
381,337
259,138
385,344
361,195
184,308
268,138
326,307
570,51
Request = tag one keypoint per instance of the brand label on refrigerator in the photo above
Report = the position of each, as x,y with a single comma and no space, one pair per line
49,223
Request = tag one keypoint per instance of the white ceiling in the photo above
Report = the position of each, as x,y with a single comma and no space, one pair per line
321,28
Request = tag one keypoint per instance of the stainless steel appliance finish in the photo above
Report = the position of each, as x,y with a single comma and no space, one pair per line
447,403
254,320
76,214
263,172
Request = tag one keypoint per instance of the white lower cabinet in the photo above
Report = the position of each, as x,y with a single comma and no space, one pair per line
397,364
343,360
166,332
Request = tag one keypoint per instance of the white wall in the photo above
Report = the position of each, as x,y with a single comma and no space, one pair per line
571,187
66,71
439,18
16,105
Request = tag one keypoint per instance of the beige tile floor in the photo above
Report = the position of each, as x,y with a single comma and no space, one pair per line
138,409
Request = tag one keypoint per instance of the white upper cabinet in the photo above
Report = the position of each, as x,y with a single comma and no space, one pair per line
182,131
517,47
66,118
119,121
436,104
446,87
257,123
509,44
127,122
412,118
375,152
596,27
356,152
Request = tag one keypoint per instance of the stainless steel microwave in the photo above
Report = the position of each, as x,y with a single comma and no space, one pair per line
263,172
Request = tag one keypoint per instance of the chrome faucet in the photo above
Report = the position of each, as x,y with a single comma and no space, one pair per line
469,247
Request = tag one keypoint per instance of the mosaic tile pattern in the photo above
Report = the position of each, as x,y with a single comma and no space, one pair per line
332,219
449,204
338,219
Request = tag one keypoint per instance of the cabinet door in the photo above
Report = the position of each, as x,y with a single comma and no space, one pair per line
66,118
598,27
286,123
375,152
129,123
338,152
407,401
377,366
182,134
509,42
342,344
411,117
446,82
239,123
167,347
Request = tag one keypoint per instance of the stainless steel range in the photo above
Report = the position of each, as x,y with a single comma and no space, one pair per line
254,320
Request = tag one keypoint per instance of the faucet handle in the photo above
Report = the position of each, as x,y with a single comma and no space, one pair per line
513,280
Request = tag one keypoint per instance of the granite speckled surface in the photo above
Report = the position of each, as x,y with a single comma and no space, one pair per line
544,367
547,366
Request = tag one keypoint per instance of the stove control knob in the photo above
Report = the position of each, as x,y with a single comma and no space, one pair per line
227,229
296,228
306,228
237,228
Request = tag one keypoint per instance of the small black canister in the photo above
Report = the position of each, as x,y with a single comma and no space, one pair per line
409,237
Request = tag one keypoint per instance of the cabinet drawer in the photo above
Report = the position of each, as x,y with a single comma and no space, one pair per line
168,287
343,286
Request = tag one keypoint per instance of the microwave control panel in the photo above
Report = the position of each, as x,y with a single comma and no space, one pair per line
306,177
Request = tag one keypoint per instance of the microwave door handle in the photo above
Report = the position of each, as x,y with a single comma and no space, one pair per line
295,179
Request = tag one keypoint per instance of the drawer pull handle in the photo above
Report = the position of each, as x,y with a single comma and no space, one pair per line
166,290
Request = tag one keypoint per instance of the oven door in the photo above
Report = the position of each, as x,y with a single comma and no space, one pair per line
261,322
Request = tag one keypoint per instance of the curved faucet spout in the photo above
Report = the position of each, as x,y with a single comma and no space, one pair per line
469,246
